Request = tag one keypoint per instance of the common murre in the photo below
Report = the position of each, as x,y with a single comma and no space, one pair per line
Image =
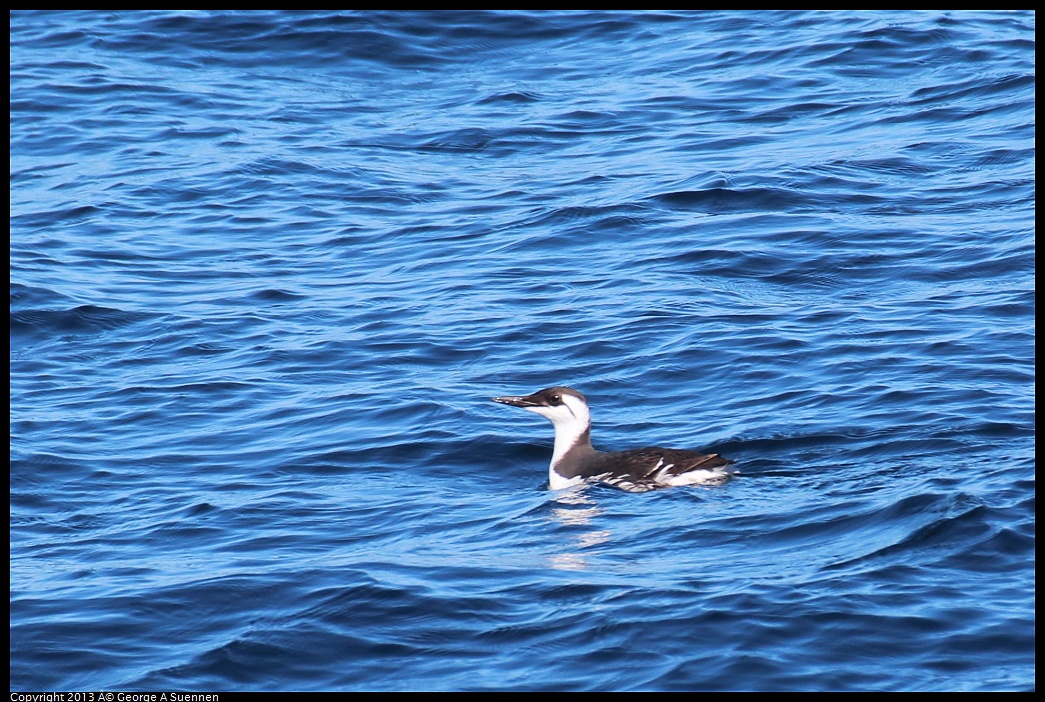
575,461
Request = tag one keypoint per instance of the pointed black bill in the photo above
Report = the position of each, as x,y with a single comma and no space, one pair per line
516,401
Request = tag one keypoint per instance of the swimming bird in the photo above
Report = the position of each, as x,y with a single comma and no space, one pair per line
574,461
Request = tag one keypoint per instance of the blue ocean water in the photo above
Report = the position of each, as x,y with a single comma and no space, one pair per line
267,269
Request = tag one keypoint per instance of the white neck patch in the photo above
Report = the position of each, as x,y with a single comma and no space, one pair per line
570,419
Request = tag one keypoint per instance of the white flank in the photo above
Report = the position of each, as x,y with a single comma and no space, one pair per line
696,477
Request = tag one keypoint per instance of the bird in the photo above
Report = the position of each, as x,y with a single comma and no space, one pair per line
575,461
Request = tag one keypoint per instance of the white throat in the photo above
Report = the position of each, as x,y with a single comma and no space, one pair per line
567,435
571,421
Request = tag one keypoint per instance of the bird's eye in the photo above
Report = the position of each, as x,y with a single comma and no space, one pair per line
556,400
